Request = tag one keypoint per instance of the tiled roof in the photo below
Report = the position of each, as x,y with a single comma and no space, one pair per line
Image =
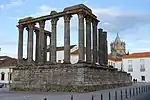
138,55
7,61
114,59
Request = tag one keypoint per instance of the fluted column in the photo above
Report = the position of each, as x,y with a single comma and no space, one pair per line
94,24
20,43
49,49
67,38
100,45
41,42
45,47
105,48
88,39
53,40
30,43
81,37
36,45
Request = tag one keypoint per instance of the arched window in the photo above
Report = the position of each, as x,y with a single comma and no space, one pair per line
2,76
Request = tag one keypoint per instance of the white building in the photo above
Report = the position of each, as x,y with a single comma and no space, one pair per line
6,65
138,64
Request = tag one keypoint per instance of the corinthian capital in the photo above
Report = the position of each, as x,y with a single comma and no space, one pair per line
42,23
67,18
81,14
95,22
20,26
54,21
31,25
88,19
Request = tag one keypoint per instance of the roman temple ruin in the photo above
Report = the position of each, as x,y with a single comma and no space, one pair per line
89,74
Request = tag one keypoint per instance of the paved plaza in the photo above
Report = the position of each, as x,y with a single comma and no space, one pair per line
5,94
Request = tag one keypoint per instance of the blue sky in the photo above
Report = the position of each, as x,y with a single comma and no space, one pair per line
130,18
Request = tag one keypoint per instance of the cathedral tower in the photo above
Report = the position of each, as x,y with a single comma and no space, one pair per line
118,47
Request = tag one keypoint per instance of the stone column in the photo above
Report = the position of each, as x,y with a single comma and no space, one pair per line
45,47
94,24
105,48
67,38
41,42
36,45
100,45
30,43
49,48
81,37
20,43
88,39
53,40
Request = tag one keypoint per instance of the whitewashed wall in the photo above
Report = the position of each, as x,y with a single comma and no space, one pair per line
136,65
6,75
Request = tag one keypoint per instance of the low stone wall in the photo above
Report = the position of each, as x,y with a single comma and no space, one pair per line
71,77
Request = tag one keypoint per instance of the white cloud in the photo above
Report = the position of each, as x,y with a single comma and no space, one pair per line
12,3
116,20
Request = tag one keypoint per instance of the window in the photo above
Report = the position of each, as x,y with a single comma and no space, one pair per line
130,69
142,61
114,64
121,67
129,61
2,76
143,78
142,69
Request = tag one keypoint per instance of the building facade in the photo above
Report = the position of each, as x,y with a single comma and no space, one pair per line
138,64
6,65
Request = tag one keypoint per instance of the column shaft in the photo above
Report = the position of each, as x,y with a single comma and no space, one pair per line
81,37
105,48
53,40
88,39
45,47
49,49
30,43
41,42
95,22
36,45
67,38
20,43
100,45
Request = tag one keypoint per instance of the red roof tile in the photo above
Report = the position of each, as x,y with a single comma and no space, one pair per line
7,61
138,55
114,59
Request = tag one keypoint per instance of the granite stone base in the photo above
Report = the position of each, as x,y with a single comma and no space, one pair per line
67,78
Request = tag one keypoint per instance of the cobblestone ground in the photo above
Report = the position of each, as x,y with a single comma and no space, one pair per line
5,94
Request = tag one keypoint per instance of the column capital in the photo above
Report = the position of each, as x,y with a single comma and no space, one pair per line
20,26
88,18
67,18
54,21
81,14
42,23
31,25
95,22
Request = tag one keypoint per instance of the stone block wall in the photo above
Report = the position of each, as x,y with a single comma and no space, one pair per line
62,77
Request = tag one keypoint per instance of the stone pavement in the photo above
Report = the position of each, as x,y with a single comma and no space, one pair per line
6,95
